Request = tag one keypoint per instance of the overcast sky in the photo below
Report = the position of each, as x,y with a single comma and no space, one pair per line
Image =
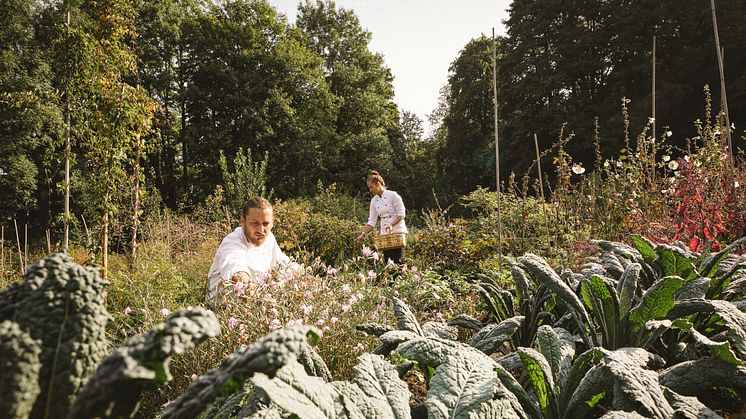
419,39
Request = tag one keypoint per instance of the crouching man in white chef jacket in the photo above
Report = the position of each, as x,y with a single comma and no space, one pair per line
249,252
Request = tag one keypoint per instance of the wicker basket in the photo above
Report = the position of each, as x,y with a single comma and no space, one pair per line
390,241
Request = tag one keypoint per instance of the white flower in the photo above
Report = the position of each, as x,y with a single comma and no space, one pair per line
673,165
666,158
606,163
165,312
669,133
346,288
367,251
194,377
651,120
578,169
686,158
619,164
733,126
717,132
736,184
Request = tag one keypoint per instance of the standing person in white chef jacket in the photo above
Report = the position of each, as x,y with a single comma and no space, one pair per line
389,206
248,253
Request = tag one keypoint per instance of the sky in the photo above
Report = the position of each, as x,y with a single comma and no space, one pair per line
419,39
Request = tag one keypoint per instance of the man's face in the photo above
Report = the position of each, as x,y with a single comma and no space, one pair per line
257,224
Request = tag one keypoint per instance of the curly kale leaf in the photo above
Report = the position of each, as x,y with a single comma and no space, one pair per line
19,370
61,304
267,356
141,362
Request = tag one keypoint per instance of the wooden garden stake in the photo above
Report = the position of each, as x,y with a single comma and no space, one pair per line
652,169
18,245
722,77
497,154
541,190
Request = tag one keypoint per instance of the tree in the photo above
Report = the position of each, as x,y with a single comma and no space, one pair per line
467,157
29,119
362,85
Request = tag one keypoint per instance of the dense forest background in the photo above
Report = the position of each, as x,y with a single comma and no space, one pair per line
150,94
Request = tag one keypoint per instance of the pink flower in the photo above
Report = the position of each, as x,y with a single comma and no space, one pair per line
275,324
358,348
390,263
308,294
375,256
414,269
232,323
307,309
333,320
367,252
274,311
194,377
331,270
346,308
239,288
326,329
359,296
352,300
371,274
346,288
294,323
320,322
165,312
127,311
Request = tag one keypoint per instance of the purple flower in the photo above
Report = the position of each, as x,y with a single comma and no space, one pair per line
127,311
232,323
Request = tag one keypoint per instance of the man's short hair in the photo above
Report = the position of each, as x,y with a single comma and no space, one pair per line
255,202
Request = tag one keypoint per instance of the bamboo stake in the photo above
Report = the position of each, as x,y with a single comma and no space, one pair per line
25,244
49,241
541,190
497,153
18,245
2,252
722,77
67,156
652,163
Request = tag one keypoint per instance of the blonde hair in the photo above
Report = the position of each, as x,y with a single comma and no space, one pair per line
375,177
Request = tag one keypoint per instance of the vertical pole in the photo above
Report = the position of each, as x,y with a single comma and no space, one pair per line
652,163
18,245
497,152
67,155
541,190
2,252
722,77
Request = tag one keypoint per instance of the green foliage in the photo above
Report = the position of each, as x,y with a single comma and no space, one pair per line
244,180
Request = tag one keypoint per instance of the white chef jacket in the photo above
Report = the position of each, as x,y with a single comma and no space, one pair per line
387,206
236,254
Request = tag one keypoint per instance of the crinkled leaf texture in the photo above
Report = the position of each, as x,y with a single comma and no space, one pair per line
440,330
295,392
733,319
379,381
266,356
656,302
375,393
464,380
61,304
542,380
544,274
696,378
142,362
621,376
491,337
405,319
558,347
688,407
19,376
